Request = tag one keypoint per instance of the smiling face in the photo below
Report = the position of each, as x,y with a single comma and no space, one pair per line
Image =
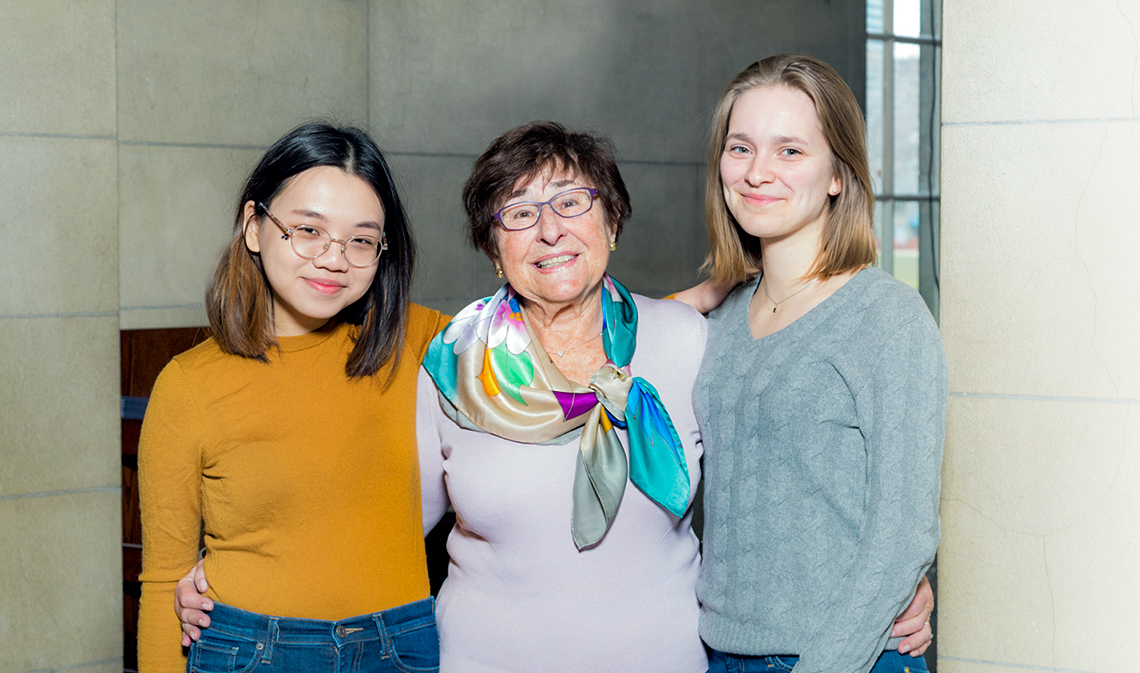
560,261
776,167
307,293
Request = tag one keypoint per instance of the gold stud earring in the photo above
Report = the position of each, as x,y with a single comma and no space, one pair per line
498,271
613,246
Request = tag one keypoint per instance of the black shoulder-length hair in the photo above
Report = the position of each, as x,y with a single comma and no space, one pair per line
239,302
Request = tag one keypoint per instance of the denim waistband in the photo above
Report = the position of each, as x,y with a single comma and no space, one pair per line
384,624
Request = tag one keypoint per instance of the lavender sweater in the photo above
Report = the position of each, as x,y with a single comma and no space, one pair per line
823,445
519,596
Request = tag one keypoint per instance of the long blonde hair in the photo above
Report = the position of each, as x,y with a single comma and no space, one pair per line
848,237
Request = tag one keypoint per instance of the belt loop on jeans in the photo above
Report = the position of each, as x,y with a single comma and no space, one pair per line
382,634
271,638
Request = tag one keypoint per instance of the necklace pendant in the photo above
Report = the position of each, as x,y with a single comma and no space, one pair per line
775,307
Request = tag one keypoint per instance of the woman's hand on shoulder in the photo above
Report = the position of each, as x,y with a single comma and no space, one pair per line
190,605
914,622
704,297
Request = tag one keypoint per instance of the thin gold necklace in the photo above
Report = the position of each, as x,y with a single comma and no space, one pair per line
776,304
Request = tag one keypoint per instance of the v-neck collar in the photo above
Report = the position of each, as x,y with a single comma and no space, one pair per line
805,323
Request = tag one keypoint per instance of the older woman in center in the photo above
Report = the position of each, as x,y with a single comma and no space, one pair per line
537,407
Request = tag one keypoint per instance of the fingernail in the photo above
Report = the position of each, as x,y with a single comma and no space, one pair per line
202,586
202,622
207,605
904,648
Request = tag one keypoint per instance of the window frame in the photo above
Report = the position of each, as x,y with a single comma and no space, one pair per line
887,198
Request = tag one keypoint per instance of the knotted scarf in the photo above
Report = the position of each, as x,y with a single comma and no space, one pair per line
494,376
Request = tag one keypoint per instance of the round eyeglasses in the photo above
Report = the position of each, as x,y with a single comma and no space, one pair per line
310,242
571,203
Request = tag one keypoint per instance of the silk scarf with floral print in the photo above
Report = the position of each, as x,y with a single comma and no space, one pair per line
494,376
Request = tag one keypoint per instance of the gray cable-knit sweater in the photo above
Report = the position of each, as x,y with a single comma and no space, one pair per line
823,446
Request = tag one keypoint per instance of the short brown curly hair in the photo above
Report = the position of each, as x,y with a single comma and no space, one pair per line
527,151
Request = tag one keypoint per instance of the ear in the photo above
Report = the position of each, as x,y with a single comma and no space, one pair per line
250,224
836,186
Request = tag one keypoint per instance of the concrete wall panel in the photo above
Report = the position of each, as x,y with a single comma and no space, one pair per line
61,250
1021,60
176,216
994,605
644,74
664,241
238,72
57,74
1040,247
60,428
446,265
1039,545
60,555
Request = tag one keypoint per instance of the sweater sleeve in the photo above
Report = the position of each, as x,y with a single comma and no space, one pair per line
901,411
433,491
170,478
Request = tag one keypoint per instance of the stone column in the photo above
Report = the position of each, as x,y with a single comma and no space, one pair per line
60,568
1040,562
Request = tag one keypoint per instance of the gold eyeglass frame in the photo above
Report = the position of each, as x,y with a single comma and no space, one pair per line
383,240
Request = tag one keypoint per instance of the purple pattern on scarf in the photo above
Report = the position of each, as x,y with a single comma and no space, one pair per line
575,404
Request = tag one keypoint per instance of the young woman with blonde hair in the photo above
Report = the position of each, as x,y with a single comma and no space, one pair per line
821,398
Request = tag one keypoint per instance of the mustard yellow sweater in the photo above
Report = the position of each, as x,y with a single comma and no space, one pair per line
306,483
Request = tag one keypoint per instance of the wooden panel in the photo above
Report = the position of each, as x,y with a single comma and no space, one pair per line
144,354
132,527
146,351
131,429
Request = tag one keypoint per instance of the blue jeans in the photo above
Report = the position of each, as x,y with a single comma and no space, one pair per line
722,662
400,640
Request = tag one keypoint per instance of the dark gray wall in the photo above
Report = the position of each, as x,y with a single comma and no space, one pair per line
446,78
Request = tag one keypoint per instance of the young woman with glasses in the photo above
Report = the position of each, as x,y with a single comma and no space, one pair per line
287,440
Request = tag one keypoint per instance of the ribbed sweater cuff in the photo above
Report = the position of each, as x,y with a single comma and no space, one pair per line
733,637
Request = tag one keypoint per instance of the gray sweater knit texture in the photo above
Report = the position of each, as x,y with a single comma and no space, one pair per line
823,449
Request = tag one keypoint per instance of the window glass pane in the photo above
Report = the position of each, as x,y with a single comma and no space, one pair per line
874,100
907,118
905,242
874,16
908,17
